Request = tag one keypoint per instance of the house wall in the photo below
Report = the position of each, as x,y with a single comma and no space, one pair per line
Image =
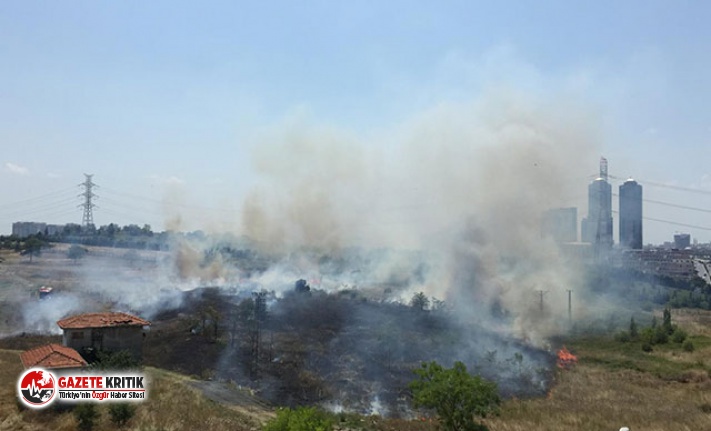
110,339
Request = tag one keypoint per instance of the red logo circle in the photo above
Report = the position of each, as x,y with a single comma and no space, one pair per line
36,387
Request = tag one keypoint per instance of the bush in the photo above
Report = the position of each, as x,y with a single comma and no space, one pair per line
121,413
85,414
647,347
660,335
678,336
301,419
119,360
648,335
457,396
623,337
688,346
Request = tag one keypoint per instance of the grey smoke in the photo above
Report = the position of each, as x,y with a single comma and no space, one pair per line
464,182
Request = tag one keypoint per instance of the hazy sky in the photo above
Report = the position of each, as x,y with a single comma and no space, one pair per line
166,102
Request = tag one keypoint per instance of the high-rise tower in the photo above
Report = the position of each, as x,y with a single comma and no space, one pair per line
631,214
597,226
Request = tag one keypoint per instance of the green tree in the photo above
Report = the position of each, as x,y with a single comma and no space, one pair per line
85,414
634,330
420,301
118,360
146,230
301,419
667,322
121,413
458,397
32,247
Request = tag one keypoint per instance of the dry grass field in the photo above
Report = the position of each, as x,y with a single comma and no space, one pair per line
614,384
617,384
173,404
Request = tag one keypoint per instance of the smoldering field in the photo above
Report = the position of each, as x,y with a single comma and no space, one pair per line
447,204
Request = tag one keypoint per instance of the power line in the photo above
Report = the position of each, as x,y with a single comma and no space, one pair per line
668,186
669,204
672,222
677,223
50,194
40,207
168,204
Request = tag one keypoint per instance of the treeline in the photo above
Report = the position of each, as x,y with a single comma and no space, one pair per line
650,290
111,235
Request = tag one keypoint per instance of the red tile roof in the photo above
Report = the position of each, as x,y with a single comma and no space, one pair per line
52,356
101,320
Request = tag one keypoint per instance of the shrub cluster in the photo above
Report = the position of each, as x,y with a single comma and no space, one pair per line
656,334
300,419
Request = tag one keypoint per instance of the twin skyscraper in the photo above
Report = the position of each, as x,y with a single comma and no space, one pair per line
597,226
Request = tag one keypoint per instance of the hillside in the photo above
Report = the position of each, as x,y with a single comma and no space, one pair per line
334,350
613,384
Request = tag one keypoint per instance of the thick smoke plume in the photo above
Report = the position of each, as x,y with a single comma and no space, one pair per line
448,203
465,184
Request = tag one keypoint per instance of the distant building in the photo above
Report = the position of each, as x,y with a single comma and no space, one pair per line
54,229
52,356
668,263
597,226
561,224
631,215
682,241
24,229
104,331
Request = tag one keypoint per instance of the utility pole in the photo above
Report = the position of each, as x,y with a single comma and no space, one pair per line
258,317
88,216
541,293
570,306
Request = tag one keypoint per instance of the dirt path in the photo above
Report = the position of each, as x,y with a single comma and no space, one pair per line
234,397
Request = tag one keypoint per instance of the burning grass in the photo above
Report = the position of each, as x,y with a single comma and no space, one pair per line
617,384
566,359
613,384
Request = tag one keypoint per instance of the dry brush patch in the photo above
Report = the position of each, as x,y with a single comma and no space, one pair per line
591,397
617,384
171,405
693,320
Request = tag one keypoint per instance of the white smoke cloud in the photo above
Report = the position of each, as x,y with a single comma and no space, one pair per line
466,181
16,169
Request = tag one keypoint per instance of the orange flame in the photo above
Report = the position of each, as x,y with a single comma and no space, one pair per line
566,359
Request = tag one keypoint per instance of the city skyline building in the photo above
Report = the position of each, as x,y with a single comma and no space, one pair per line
597,226
682,241
631,215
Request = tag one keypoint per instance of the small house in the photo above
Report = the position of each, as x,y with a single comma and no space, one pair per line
52,357
110,331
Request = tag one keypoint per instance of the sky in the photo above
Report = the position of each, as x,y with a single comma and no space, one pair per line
175,106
